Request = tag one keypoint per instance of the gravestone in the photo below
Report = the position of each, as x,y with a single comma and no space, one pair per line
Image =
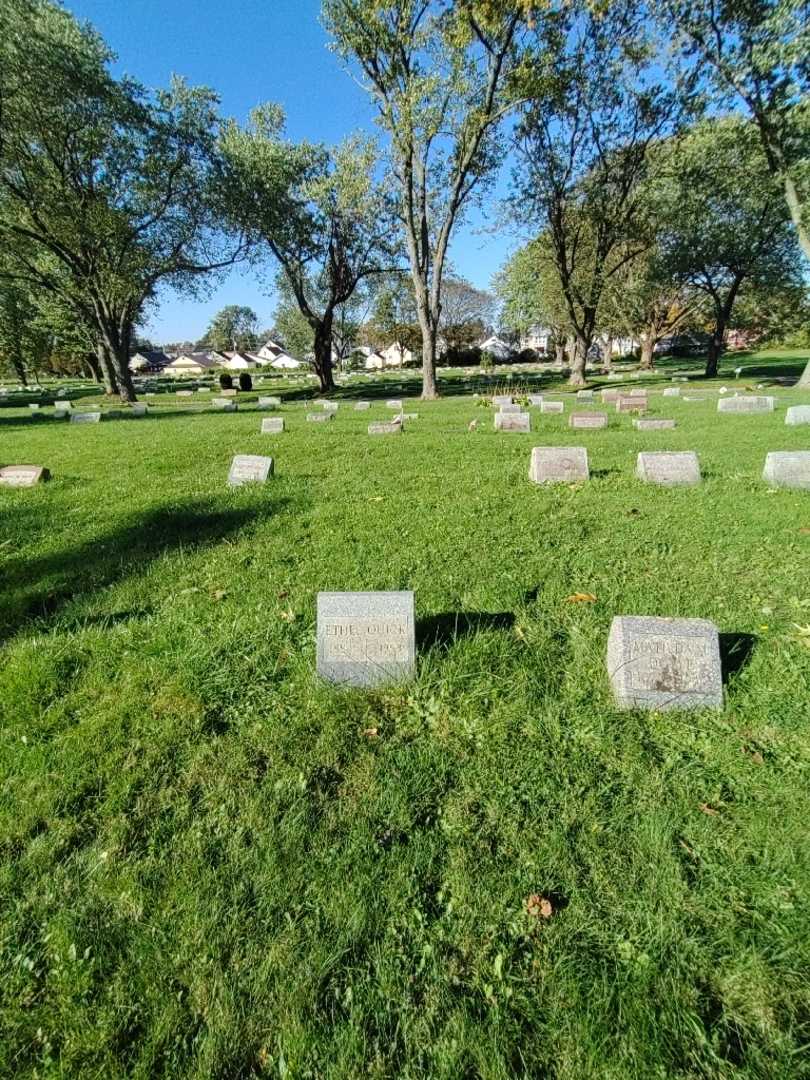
249,469
393,404
663,664
394,428
672,391
584,395
231,392
615,376
366,638
609,395
788,468
513,421
558,464
138,409
273,425
185,393
204,390
510,408
588,420
330,406
668,467
745,404
552,407
653,425
33,407
534,399
22,475
361,406
85,417
268,402
224,404
798,414
318,417
631,404
502,399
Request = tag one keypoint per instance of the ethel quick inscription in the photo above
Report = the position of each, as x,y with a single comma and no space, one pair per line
366,638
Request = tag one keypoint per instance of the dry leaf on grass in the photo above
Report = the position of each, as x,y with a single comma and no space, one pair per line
218,594
287,616
538,906
706,809
581,598
371,732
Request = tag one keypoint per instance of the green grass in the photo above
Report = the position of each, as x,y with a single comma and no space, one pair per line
214,866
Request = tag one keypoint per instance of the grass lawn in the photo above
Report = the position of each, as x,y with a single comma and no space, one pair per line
214,866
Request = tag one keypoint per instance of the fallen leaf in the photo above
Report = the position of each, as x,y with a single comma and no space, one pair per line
706,809
581,598
371,733
218,594
538,906
376,498
288,616
519,633
283,595
804,531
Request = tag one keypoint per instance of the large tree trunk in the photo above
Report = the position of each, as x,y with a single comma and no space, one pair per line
429,389
559,352
18,364
647,347
577,376
607,354
715,349
91,363
322,349
107,370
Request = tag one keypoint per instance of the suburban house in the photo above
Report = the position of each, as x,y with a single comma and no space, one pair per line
497,347
272,355
237,361
195,363
149,361
536,338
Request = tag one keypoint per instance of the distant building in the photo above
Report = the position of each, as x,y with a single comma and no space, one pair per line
195,363
237,361
149,361
272,355
537,338
496,347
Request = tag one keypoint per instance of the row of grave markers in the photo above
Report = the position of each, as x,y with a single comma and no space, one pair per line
368,639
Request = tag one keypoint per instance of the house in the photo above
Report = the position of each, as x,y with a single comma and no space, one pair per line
396,355
285,362
148,360
496,347
194,363
237,361
269,351
536,338
272,355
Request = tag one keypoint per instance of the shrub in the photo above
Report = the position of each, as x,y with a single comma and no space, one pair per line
245,381
225,381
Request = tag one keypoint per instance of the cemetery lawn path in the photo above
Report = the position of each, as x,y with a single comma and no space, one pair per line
215,866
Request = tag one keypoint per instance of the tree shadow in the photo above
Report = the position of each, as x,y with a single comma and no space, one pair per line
445,628
735,652
37,589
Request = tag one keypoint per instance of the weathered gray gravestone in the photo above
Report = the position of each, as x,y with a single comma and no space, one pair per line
552,407
668,467
502,399
511,408
330,406
361,406
513,421
249,469
186,393
318,417
798,414
393,428
535,399
231,392
745,404
653,425
588,420
584,395
268,402
224,405
22,475
85,417
393,404
631,404
788,468
558,464
663,664
138,409
609,395
366,638
273,425
672,391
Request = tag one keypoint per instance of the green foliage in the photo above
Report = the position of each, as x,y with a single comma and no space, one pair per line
234,328
225,380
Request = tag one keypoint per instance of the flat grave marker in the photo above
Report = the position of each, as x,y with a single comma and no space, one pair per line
85,417
393,427
788,468
272,425
249,469
268,402
662,664
672,391
588,420
668,467
797,414
19,476
224,404
653,424
366,639
745,404
361,406
319,417
558,465
513,421
552,407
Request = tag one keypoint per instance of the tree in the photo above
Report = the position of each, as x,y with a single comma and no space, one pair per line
528,287
757,50
394,319
722,220
319,212
466,313
594,108
437,74
102,186
233,329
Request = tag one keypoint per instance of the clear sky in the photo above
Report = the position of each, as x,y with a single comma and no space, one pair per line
251,51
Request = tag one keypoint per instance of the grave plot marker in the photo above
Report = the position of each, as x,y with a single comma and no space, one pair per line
366,639
249,469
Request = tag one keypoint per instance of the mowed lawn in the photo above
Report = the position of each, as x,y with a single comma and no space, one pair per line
215,866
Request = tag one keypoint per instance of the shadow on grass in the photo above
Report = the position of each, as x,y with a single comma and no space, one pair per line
735,652
442,630
37,589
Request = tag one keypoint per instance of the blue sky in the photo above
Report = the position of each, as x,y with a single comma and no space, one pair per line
251,51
